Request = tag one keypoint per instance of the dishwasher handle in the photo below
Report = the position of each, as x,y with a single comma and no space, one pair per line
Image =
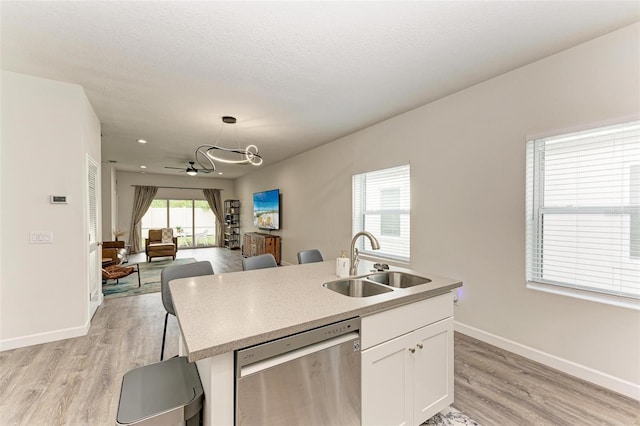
294,342
299,353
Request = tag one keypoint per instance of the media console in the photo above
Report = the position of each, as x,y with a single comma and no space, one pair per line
257,243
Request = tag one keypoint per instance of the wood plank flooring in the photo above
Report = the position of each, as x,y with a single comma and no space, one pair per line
77,381
222,259
496,387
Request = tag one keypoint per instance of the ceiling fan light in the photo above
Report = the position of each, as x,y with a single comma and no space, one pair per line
192,172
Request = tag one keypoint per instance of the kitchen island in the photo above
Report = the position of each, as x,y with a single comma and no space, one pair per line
220,314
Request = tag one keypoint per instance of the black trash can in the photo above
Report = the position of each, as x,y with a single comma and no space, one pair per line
164,393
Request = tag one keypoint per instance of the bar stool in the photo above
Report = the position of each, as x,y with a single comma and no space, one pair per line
164,393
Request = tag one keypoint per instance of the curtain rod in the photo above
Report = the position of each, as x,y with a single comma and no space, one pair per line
176,187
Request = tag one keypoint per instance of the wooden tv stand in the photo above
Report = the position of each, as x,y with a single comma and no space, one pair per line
257,243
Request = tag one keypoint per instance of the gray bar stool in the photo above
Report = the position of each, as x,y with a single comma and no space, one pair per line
164,393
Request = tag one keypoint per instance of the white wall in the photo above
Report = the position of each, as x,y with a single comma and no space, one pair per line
48,129
467,155
125,191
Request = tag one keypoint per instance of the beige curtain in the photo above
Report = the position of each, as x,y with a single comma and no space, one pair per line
214,199
142,199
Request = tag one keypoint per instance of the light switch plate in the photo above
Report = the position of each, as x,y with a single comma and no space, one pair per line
41,237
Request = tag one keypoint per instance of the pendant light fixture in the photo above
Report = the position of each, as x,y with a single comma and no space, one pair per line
209,154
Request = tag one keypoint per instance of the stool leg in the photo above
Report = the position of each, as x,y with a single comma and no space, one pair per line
138,271
164,335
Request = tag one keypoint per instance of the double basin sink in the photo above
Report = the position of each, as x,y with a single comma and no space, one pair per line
375,283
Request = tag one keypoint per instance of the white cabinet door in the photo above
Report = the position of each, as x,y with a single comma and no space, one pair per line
433,369
387,384
407,380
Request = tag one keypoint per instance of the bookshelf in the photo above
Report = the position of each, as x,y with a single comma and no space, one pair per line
232,224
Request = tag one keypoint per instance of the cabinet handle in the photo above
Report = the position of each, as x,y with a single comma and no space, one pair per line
420,345
412,350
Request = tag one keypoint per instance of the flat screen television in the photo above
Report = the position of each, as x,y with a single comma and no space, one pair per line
266,209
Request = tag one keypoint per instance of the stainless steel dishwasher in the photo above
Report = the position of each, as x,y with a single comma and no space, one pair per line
310,378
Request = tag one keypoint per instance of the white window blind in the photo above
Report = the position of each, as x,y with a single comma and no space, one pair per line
381,205
93,204
583,211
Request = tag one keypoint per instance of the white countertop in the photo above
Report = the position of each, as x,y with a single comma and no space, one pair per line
222,313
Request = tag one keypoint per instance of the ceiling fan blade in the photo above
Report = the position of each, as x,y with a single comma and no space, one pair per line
176,168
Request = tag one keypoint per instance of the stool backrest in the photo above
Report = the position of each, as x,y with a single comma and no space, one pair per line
259,262
173,272
310,256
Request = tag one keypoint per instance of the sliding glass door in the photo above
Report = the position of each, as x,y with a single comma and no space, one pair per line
192,221
180,217
204,224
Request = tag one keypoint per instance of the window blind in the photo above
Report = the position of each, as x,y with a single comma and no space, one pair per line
93,204
381,205
583,210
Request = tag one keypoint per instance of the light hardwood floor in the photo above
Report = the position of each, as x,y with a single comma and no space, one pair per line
222,260
77,381
496,387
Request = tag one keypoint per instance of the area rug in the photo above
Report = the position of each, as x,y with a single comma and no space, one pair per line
149,278
450,417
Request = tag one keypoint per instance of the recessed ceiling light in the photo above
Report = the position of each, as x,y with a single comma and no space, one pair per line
143,167
219,173
142,141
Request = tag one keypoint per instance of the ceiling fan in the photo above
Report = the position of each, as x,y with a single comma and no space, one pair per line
190,169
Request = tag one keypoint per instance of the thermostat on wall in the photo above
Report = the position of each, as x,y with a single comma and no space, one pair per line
58,199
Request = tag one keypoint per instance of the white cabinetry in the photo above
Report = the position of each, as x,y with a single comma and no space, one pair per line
409,378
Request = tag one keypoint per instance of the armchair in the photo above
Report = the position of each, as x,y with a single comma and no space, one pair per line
112,269
161,243
115,250
115,272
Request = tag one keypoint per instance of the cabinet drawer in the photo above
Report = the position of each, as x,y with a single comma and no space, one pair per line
383,326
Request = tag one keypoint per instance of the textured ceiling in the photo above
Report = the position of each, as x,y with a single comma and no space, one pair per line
295,74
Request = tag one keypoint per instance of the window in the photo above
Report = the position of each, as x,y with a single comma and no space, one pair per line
381,205
192,221
583,213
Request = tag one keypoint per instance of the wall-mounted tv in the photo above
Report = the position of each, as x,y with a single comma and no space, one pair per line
266,209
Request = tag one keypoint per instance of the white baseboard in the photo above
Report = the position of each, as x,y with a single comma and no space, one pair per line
50,336
95,304
616,384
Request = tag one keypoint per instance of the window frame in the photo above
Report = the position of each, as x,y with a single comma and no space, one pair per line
535,211
359,216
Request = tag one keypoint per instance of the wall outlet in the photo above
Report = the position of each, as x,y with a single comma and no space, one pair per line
41,237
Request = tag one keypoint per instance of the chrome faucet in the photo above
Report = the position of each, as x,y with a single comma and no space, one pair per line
354,251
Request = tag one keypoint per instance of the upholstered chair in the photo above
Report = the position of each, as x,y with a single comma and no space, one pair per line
161,243
115,250
115,272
